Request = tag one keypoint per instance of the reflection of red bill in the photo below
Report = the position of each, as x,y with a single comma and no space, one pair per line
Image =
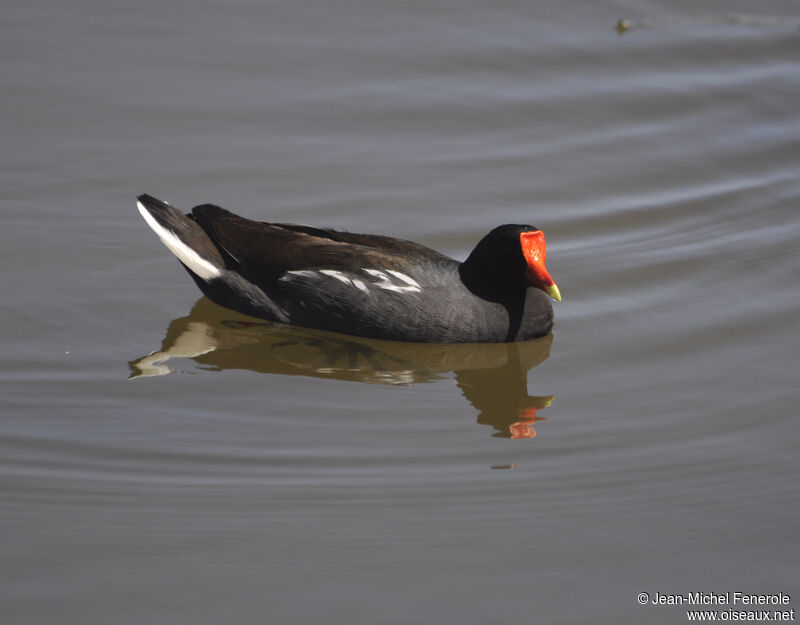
524,427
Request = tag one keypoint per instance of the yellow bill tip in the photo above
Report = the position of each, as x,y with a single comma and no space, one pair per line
553,292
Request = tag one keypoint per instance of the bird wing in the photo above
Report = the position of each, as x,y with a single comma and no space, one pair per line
262,252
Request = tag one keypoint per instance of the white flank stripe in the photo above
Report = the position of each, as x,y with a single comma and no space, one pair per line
385,281
336,274
401,276
185,254
300,273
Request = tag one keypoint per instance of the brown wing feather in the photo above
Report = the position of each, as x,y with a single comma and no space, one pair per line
263,252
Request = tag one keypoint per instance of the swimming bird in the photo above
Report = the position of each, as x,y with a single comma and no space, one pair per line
362,284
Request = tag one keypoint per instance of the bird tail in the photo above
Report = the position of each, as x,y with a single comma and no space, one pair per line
183,237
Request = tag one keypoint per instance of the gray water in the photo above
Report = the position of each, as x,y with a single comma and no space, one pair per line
163,460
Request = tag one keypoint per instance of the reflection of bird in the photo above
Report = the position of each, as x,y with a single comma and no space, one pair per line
365,285
501,396
493,377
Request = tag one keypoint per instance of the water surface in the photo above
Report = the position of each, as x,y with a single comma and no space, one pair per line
165,460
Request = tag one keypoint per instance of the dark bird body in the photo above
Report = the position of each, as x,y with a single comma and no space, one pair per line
365,285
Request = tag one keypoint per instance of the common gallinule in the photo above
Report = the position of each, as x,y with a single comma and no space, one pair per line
361,284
